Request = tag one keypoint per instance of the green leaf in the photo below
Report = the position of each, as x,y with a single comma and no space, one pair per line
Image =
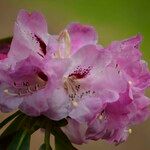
21,141
20,131
5,141
5,45
3,123
61,123
9,133
6,40
13,127
23,126
61,140
43,147
47,137
46,144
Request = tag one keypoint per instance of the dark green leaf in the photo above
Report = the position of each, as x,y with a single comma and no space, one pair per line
43,147
3,123
5,141
5,45
46,144
61,140
21,141
22,127
9,133
13,127
47,137
6,40
61,123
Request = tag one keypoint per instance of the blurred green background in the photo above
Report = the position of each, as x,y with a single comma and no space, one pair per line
113,20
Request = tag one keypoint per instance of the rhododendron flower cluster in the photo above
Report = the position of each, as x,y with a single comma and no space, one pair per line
99,90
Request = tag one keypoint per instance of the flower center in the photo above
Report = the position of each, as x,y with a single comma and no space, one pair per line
27,87
74,88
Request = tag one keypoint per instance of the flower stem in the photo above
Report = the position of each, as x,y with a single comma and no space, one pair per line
47,137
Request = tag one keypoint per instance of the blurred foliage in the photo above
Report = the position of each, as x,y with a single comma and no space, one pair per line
113,19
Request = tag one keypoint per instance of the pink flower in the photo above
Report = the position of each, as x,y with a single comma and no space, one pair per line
113,119
80,133
85,84
72,71
28,58
83,74
99,90
30,37
127,58
20,75
21,85
23,79
112,124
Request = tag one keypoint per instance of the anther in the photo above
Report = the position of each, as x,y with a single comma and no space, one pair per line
37,87
75,104
6,91
130,82
101,117
128,131
29,89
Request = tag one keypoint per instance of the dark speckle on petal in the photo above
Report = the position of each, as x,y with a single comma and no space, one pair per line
42,44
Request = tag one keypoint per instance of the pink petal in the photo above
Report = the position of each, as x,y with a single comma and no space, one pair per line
88,56
81,35
34,104
33,22
75,131
58,105
30,37
3,56
87,109
8,104
134,41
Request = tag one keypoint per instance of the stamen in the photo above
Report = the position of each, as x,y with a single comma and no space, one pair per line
68,45
75,104
72,86
6,91
25,88
29,89
64,36
37,86
129,131
101,117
